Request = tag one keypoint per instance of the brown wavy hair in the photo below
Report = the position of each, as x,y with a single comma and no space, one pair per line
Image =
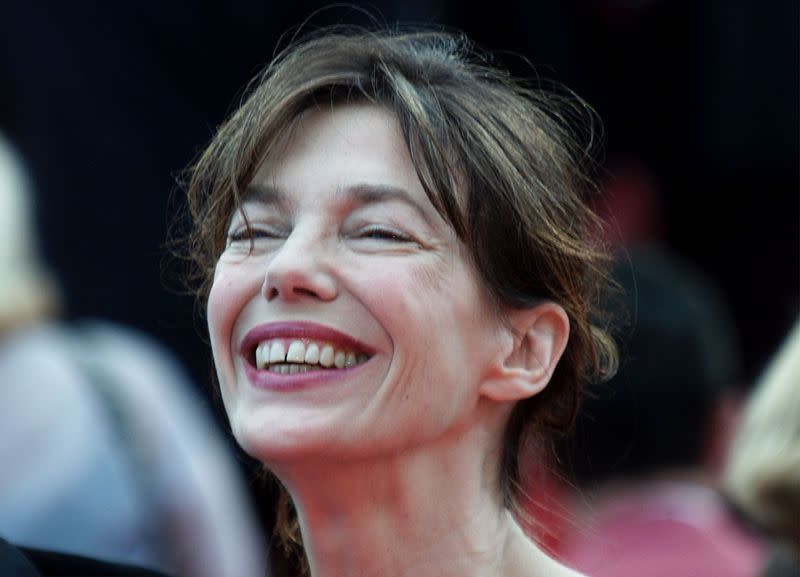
500,160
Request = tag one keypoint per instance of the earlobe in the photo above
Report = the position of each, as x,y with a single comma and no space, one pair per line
540,337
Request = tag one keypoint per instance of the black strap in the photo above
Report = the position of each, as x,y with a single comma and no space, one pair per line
13,563
52,564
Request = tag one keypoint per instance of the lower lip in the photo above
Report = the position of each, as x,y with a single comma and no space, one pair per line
298,381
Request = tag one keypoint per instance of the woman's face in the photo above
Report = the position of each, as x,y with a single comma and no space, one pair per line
355,324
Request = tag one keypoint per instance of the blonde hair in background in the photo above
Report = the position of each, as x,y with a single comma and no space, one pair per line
28,292
762,476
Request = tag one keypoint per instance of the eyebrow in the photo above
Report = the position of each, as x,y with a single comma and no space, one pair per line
266,193
362,193
366,193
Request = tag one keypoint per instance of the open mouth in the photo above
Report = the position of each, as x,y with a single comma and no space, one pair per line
291,356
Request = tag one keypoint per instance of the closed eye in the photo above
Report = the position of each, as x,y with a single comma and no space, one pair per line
251,234
382,233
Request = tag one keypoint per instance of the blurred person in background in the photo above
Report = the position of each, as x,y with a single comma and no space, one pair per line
108,457
649,443
762,474
646,443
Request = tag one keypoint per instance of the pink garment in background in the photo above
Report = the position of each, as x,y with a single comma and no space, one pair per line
670,529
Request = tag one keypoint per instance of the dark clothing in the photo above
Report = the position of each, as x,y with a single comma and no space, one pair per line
26,562
782,563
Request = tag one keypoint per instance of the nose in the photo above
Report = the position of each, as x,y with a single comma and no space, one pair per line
300,269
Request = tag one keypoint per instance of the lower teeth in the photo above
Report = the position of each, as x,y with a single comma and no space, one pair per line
289,369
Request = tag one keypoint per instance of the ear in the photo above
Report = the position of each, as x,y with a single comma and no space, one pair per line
540,336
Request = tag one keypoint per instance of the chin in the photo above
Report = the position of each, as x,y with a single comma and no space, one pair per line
273,440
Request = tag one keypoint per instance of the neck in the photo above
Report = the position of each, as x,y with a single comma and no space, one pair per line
435,511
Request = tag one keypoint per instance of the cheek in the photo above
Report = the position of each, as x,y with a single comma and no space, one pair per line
402,297
219,311
458,325
435,313
228,296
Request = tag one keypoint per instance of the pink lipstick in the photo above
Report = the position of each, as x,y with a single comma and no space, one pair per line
265,346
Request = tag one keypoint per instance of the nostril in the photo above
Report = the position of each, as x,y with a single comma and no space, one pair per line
273,292
291,284
304,291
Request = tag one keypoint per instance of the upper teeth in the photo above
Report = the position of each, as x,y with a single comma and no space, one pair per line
307,352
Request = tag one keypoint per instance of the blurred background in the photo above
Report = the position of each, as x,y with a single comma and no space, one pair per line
109,101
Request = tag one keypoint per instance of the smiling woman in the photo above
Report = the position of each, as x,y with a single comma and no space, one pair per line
399,276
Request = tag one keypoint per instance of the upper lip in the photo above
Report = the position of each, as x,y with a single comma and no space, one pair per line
300,330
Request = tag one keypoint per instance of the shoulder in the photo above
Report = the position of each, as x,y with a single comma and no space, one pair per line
559,570
546,566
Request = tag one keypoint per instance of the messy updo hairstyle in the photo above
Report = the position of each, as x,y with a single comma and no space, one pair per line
505,163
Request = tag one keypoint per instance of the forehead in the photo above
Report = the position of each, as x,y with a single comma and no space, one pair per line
331,149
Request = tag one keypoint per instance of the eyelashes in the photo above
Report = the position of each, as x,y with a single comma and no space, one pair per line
254,233
381,233
249,234
239,236
373,232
